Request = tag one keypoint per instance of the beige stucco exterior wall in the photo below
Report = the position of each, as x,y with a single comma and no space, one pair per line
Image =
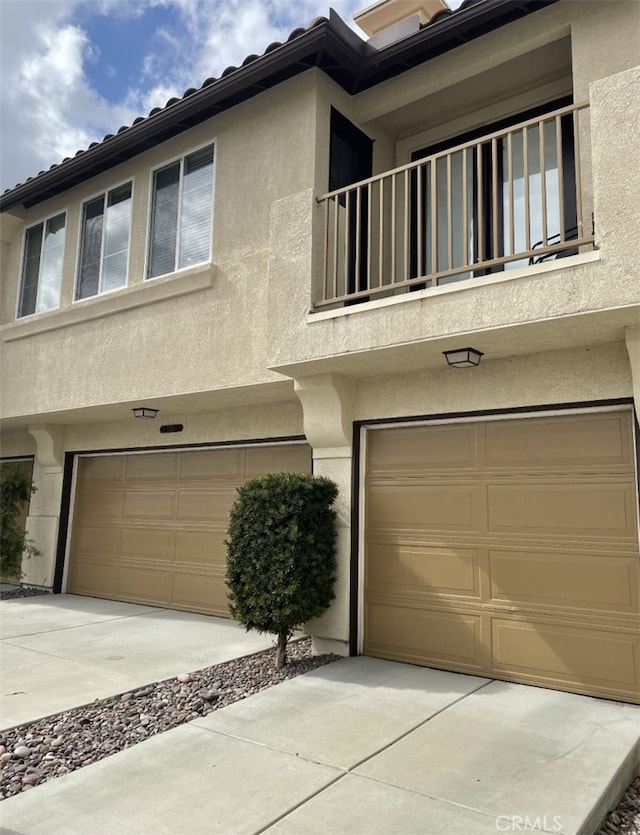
211,332
553,377
16,443
551,335
271,420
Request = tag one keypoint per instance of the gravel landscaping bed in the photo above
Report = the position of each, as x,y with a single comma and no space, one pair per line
39,751
625,819
10,594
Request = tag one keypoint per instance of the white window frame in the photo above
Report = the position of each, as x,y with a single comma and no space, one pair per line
104,194
26,230
152,174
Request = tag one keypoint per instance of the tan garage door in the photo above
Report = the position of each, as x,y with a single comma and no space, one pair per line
507,548
150,528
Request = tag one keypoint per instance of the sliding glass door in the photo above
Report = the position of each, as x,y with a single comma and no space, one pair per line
506,192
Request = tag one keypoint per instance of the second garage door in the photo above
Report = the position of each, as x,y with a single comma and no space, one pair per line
507,548
150,528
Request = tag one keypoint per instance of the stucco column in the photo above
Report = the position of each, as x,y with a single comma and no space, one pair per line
615,111
43,520
326,403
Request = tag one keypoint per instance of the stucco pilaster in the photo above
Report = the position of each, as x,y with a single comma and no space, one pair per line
327,406
614,110
43,520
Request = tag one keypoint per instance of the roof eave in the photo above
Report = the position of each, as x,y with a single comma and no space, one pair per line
330,45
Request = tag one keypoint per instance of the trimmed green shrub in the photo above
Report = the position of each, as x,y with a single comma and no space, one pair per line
281,553
15,490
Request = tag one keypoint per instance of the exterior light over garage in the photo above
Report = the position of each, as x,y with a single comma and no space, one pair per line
463,357
144,412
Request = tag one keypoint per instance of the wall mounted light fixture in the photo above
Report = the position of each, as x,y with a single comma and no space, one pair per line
144,412
463,357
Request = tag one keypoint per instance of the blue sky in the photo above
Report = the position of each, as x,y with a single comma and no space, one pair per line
119,46
74,70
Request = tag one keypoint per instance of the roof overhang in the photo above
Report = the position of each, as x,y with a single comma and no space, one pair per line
329,44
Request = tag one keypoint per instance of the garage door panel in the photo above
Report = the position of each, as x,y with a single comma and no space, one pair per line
201,547
99,504
424,507
428,634
570,653
152,467
196,592
557,442
604,510
110,468
147,584
149,504
444,447
574,581
206,464
423,569
97,541
284,459
145,543
211,505
93,578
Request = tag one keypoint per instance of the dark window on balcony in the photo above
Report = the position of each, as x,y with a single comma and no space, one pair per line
351,160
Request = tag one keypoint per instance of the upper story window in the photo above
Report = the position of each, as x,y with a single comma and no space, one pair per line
182,214
104,243
42,266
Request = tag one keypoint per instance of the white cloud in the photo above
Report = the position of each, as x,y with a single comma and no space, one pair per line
48,110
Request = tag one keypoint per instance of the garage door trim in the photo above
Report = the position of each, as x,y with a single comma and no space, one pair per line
361,430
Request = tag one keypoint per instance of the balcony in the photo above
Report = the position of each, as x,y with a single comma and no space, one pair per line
510,199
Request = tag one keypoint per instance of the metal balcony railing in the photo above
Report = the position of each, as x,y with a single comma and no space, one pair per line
509,199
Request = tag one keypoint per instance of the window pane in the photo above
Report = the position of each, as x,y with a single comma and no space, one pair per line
120,194
195,235
116,238
545,180
114,271
89,278
164,221
513,215
51,264
551,180
199,160
30,270
196,217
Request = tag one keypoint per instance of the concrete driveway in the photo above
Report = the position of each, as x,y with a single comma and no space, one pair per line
359,746
62,651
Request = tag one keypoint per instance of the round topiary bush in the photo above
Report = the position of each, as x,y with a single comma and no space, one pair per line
281,553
